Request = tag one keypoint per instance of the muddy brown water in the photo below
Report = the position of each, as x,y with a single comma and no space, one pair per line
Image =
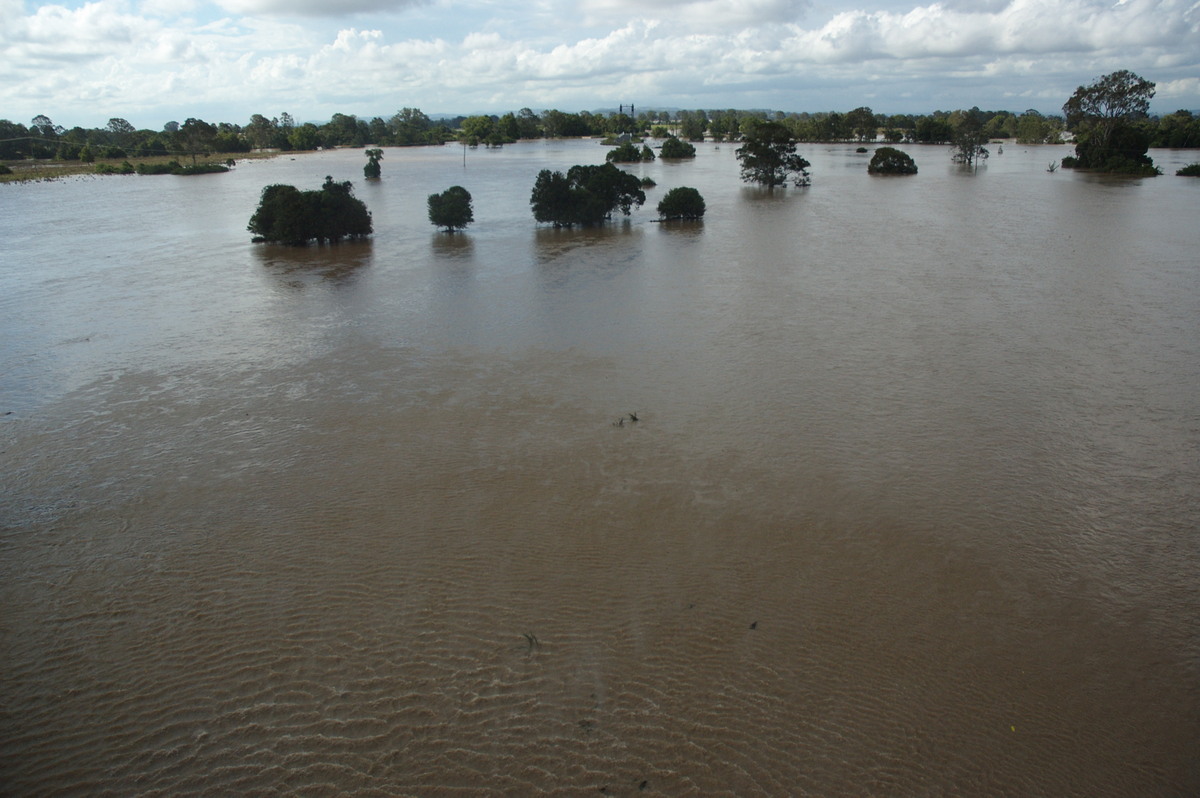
910,506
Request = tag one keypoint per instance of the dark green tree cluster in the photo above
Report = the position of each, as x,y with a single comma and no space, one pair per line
1106,118
288,215
891,161
1178,130
768,156
628,152
683,202
674,148
491,131
451,209
585,195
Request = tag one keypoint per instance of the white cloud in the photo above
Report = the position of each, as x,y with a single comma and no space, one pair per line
313,8
1184,88
696,14
102,59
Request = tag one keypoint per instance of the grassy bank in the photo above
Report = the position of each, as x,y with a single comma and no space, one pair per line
29,170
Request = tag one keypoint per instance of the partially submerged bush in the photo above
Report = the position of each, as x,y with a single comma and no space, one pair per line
674,148
372,169
584,195
891,161
176,168
628,152
1191,170
158,168
451,209
200,169
108,169
683,202
290,216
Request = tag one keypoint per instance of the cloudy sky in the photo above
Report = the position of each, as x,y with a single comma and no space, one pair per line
150,61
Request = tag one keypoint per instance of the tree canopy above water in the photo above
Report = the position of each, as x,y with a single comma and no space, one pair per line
1106,116
768,156
288,215
584,195
891,161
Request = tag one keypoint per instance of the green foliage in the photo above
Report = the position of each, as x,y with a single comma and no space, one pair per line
304,137
158,168
1033,128
290,216
1191,170
768,156
109,169
682,202
659,132
372,169
584,195
1106,117
1178,130
451,209
969,138
674,148
4,170
933,130
628,152
648,182
861,122
891,161
692,125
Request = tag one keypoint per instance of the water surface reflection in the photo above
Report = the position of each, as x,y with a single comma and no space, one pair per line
910,506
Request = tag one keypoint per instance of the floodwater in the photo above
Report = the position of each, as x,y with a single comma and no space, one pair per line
910,506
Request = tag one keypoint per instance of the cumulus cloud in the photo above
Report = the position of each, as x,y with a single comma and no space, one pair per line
696,14
314,8
684,53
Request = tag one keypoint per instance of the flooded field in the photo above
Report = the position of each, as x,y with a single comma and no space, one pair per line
909,507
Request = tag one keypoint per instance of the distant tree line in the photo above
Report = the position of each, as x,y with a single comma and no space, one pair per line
44,139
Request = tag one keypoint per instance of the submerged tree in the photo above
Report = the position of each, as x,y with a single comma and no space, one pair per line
969,137
451,209
674,148
891,161
372,168
584,195
288,215
628,152
682,202
1105,118
768,156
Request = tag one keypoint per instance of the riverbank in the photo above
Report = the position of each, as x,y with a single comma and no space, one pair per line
31,170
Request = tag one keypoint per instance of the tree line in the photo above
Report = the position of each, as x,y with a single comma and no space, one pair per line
43,139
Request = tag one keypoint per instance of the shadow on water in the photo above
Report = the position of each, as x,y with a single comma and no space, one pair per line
455,246
337,263
686,229
765,195
554,243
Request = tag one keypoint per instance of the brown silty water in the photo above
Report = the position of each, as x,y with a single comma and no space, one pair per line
908,507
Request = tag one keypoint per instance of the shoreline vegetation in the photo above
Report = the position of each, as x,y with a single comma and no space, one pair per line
44,150
34,170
